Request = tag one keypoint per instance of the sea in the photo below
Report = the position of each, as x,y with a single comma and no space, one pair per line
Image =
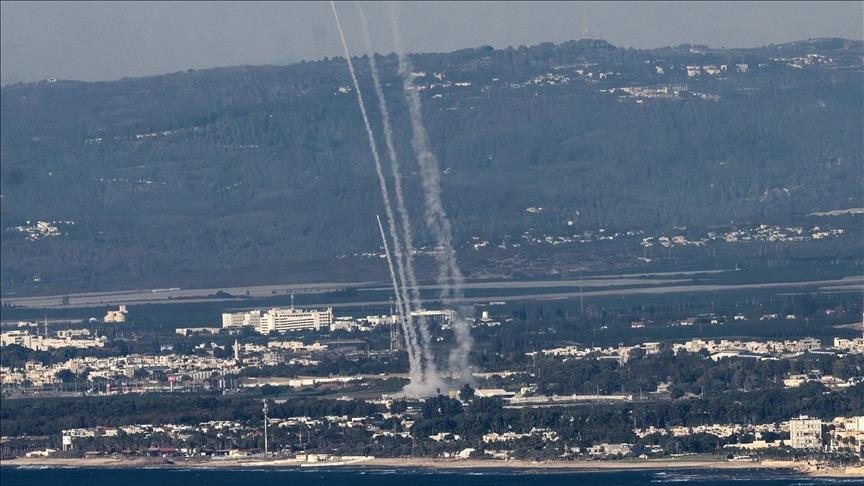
38,476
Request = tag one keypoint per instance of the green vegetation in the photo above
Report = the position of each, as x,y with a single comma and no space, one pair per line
576,426
691,373
191,177
49,417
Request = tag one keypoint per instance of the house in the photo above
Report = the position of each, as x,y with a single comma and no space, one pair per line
606,450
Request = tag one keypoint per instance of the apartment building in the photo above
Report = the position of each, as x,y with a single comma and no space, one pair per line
805,433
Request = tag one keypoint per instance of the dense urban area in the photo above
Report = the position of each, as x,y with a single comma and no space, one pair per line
762,376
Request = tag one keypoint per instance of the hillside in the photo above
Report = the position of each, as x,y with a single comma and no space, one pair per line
262,174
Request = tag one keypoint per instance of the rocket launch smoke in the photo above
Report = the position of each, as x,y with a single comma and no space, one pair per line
409,276
423,373
449,275
412,346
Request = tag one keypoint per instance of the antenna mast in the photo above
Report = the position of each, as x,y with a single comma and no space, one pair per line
265,427
395,331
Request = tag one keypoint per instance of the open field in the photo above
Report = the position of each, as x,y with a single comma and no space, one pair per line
367,294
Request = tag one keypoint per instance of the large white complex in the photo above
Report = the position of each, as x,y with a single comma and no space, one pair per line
805,433
71,338
280,319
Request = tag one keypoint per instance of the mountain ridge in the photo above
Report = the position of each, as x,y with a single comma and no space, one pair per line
251,169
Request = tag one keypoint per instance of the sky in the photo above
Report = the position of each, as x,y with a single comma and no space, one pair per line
109,40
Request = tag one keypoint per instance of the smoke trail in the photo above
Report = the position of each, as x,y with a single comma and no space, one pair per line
449,276
416,371
407,272
400,306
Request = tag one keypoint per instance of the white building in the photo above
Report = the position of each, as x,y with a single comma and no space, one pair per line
73,338
73,333
805,433
856,344
241,319
280,319
442,318
808,344
21,338
610,449
116,316
385,320
847,434
444,315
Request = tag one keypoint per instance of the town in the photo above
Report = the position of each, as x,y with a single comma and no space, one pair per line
287,356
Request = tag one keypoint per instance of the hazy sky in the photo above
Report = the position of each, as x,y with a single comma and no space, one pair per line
108,40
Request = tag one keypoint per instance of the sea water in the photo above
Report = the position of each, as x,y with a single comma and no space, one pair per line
45,476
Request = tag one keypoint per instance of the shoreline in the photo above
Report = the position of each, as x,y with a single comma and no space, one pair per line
433,464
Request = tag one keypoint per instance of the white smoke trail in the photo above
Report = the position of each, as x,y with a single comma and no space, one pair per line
449,276
400,306
407,271
416,366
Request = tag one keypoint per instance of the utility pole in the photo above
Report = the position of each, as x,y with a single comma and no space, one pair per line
395,330
581,296
265,427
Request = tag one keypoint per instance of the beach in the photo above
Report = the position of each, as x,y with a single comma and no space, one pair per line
700,462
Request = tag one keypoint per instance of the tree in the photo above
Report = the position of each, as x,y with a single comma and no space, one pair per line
65,376
398,406
466,393
441,406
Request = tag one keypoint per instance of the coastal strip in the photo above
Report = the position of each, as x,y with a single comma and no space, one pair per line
441,464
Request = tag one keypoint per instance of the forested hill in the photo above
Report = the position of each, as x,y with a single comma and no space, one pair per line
240,173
